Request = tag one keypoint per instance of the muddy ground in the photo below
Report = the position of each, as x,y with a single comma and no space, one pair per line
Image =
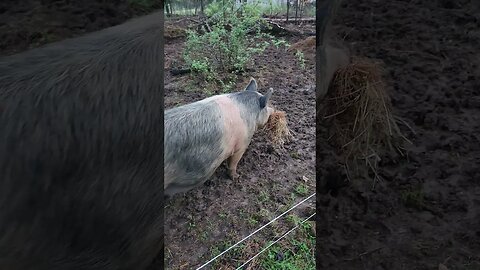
426,211
206,220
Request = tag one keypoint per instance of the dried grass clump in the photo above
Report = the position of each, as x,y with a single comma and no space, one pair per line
306,46
359,108
277,128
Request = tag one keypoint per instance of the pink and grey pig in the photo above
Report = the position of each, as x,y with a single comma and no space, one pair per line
200,136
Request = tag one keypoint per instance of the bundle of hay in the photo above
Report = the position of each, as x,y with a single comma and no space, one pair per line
277,128
306,46
359,108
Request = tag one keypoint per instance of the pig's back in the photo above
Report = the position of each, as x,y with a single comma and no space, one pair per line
192,142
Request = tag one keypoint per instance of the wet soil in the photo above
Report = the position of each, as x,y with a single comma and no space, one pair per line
426,211
221,212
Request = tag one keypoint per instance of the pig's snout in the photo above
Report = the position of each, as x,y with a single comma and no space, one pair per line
265,115
265,109
270,110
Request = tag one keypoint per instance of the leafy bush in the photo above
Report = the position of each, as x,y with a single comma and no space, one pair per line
229,47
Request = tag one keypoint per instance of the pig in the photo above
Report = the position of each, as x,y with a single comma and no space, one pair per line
81,134
200,136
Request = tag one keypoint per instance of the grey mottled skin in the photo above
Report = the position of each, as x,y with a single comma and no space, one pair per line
80,159
193,135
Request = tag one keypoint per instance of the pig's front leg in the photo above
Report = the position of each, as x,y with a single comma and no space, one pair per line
233,162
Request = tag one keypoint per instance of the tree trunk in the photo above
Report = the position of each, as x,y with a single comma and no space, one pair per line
288,8
296,11
223,9
166,5
302,9
201,6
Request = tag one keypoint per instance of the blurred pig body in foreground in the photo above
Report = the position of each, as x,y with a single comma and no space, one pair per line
201,135
80,151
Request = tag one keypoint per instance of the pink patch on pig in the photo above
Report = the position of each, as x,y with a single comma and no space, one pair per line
235,137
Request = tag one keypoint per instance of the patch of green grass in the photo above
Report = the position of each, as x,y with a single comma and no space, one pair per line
222,246
204,236
265,214
252,221
293,219
264,196
301,189
214,251
279,42
237,251
295,155
191,225
296,254
301,58
222,215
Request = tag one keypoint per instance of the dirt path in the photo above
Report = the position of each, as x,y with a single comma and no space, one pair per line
203,221
427,209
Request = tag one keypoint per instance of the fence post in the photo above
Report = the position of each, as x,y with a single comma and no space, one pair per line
288,8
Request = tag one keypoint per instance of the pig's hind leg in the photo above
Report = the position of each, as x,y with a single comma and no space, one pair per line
233,162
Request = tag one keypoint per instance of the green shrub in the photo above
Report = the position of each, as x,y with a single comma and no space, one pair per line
235,37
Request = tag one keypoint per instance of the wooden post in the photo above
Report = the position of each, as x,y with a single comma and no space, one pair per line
288,8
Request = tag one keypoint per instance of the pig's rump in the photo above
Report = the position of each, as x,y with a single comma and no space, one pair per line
197,140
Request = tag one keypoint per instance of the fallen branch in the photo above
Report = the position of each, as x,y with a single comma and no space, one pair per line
176,72
182,71
312,20
276,28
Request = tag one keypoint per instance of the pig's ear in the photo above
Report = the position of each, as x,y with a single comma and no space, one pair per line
252,85
264,99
